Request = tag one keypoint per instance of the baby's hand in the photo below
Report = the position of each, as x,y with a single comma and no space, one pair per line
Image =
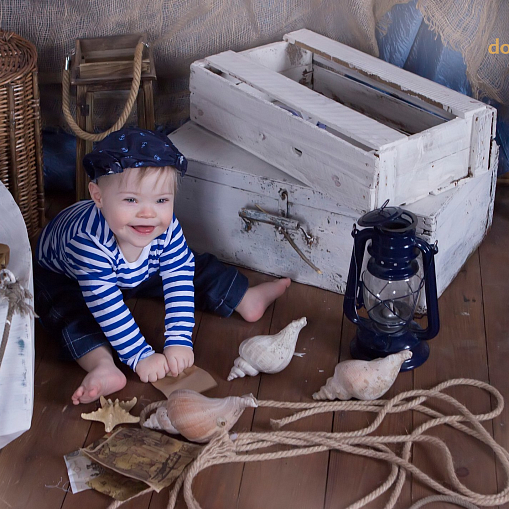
152,368
179,358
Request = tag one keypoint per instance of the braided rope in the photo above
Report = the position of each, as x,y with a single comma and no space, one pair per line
133,92
225,450
244,447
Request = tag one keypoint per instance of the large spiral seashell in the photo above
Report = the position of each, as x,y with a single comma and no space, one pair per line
267,353
365,380
197,417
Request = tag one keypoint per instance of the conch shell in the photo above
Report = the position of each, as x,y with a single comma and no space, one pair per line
365,380
267,354
113,413
197,417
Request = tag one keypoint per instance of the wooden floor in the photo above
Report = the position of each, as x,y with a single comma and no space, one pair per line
473,342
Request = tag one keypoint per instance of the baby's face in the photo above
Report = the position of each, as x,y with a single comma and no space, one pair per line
137,211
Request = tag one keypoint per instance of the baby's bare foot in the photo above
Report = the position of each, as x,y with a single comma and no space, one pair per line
258,298
103,380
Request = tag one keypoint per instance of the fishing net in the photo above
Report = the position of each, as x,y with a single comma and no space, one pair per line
184,31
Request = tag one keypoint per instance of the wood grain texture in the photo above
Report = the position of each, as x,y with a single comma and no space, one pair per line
298,482
495,292
353,477
459,351
310,104
484,125
217,347
33,462
290,143
223,179
472,342
408,82
342,122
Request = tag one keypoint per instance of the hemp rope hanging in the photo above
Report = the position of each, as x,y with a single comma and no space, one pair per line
16,297
133,92
239,447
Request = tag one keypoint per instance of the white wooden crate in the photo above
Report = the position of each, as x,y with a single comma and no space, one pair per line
344,123
223,179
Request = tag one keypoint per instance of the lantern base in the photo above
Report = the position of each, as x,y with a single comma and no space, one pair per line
369,346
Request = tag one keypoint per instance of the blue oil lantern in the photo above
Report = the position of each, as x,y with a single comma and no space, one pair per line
389,287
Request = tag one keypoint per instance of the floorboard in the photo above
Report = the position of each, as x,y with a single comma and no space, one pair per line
458,352
352,477
217,347
473,342
495,276
298,482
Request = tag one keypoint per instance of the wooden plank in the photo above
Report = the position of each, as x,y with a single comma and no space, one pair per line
291,144
291,61
81,120
449,100
369,101
483,124
459,351
303,100
115,69
218,340
347,71
212,223
458,219
40,345
336,180
140,109
149,314
352,477
89,124
214,159
495,292
105,55
149,104
33,464
117,42
296,482
429,160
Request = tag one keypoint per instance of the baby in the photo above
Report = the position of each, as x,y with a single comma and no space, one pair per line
127,242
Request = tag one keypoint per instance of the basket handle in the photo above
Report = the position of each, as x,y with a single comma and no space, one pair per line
66,85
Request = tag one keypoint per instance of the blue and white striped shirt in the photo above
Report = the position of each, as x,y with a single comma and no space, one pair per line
80,244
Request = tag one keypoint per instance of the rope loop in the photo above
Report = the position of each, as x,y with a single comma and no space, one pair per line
265,446
133,93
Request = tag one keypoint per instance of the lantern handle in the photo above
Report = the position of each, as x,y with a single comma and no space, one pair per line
428,258
360,238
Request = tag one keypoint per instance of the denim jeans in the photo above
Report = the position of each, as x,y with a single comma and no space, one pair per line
63,311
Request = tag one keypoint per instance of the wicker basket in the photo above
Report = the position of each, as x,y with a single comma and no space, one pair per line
21,168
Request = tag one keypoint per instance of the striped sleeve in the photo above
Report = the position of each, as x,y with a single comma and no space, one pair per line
98,284
177,272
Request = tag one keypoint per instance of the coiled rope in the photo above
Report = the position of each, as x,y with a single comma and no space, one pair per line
133,93
240,447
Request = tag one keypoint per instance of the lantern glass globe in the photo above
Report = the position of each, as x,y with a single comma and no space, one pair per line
390,304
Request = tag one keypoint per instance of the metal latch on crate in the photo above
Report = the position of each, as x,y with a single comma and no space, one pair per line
283,225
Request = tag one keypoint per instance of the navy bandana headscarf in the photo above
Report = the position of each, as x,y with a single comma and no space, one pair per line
132,147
